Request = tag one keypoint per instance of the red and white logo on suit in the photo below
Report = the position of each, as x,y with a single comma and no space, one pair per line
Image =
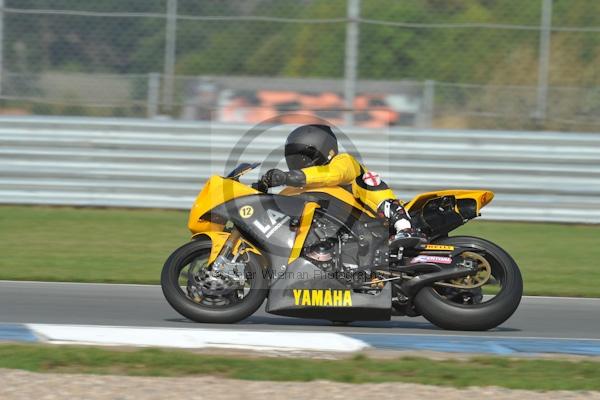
371,179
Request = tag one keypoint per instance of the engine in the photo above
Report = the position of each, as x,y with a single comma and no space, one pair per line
323,253
334,249
353,254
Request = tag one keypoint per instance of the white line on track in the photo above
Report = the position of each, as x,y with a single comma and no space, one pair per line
196,338
351,333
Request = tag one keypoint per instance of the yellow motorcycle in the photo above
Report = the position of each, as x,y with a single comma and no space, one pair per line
318,253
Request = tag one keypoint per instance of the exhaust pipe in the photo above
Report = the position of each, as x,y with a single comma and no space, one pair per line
411,287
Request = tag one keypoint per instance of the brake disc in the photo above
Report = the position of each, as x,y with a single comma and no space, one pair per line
480,278
202,282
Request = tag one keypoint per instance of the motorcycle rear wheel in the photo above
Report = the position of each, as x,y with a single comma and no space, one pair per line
448,314
220,314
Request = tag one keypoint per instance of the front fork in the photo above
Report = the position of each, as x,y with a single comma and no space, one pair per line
227,249
226,262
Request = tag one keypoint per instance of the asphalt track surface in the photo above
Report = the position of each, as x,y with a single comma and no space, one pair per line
141,305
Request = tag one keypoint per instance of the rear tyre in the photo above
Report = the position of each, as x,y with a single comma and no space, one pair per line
226,312
447,314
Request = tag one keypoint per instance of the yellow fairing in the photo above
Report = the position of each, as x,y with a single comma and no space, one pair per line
481,197
303,229
218,240
334,191
217,191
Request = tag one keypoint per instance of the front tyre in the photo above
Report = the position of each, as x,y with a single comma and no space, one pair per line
442,309
188,290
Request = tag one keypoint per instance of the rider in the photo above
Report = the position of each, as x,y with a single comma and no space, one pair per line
313,159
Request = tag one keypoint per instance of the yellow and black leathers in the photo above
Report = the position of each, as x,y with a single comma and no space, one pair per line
342,170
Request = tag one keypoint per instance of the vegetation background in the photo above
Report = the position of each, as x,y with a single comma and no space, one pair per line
483,54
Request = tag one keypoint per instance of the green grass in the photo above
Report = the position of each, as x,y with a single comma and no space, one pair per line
481,371
113,245
86,244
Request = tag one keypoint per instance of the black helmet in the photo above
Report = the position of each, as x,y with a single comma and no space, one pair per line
310,145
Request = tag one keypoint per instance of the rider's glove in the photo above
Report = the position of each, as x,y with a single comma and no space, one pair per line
275,177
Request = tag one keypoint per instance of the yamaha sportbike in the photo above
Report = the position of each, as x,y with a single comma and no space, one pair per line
318,253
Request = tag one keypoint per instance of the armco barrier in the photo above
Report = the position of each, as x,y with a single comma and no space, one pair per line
537,176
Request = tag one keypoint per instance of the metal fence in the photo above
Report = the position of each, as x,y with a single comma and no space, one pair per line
468,63
141,163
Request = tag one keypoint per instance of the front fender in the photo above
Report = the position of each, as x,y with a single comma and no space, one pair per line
218,240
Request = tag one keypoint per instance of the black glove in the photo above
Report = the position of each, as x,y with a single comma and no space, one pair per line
260,186
275,177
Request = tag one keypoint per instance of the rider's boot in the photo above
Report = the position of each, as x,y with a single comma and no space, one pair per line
402,232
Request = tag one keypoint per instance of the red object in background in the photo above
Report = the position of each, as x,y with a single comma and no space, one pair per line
289,107
272,98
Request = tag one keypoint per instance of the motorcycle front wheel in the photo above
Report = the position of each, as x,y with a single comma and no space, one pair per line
187,286
479,309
